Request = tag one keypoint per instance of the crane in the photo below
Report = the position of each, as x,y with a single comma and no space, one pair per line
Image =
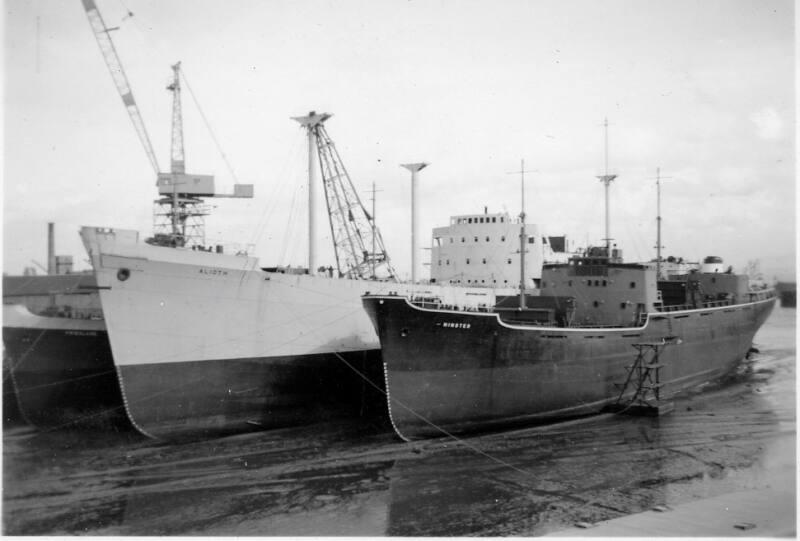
103,36
178,216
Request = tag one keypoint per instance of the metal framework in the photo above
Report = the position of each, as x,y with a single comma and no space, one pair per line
644,379
179,214
177,156
103,36
180,221
179,218
353,229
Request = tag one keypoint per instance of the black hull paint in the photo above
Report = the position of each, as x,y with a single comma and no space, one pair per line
461,371
64,378
11,414
201,399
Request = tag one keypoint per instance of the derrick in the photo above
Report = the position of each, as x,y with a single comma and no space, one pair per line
357,242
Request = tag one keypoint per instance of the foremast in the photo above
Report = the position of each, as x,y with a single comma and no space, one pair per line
606,179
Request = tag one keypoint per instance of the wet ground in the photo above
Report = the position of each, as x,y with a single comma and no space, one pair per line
358,479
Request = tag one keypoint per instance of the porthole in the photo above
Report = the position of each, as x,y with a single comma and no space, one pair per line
123,274
633,285
595,304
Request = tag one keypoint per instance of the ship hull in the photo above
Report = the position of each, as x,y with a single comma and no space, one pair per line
209,344
458,372
217,397
62,370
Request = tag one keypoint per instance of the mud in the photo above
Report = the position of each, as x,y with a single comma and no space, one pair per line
357,478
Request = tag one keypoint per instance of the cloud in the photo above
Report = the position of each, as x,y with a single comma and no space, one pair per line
768,123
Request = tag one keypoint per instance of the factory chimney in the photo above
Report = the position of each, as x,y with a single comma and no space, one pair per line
51,248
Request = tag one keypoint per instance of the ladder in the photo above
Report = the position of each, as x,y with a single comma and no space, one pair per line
644,379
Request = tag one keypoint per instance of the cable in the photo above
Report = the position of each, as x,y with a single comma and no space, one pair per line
208,127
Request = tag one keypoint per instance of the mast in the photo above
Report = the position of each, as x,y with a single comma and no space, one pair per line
373,226
373,229
523,236
310,122
414,168
658,222
606,180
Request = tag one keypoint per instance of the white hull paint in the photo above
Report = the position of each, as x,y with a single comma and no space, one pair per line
169,306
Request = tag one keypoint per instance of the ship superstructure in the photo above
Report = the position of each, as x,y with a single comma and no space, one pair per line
484,250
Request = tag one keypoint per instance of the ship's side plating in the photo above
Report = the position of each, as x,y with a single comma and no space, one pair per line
61,369
209,343
460,371
570,354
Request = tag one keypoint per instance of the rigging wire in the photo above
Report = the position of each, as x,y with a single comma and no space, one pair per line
276,197
209,128
290,225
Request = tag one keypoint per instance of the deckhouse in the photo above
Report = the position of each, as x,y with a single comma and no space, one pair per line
484,250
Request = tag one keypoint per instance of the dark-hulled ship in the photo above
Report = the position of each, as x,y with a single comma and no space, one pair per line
602,333
57,352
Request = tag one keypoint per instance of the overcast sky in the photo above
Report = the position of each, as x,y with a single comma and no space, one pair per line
703,89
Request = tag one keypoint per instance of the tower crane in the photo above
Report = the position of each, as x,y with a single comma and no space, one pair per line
179,213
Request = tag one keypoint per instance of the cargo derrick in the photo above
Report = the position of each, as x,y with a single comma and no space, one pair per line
358,245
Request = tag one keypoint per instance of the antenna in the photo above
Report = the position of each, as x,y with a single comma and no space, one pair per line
522,234
606,180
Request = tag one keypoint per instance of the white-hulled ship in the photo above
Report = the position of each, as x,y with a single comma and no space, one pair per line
56,348
207,342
